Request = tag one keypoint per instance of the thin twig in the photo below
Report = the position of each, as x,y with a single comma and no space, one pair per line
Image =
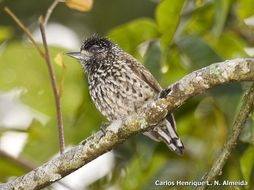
48,61
25,29
238,125
54,85
57,94
50,10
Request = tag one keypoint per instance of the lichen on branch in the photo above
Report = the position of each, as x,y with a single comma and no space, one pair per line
99,143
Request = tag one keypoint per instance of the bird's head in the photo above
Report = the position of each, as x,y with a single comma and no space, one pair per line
95,49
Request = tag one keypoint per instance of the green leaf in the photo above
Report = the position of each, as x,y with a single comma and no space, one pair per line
168,15
201,20
171,66
234,44
221,13
130,35
247,134
247,162
5,33
245,9
198,51
153,58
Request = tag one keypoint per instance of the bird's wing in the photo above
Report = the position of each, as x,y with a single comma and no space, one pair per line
146,76
143,73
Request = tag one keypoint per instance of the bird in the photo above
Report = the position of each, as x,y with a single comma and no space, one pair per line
120,85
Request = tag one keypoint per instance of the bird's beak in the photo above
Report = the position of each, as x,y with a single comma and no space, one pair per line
76,55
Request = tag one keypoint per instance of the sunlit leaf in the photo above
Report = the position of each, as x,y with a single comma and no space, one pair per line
59,59
200,20
245,9
80,5
247,162
130,35
234,43
199,2
168,15
5,33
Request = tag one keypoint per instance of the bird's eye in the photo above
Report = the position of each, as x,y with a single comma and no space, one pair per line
95,48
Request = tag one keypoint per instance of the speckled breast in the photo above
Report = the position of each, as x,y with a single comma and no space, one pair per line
117,92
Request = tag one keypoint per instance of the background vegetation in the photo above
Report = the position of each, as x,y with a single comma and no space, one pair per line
171,38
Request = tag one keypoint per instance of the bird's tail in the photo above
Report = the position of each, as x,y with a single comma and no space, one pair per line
166,132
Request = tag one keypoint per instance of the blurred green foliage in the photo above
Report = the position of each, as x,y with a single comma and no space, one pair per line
172,38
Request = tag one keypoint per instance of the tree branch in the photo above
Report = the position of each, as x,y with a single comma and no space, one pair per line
238,125
27,165
53,84
25,29
118,131
50,10
46,56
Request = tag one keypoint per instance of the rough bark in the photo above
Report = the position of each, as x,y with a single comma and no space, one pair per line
118,131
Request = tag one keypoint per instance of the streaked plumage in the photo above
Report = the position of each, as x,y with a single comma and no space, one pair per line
119,85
